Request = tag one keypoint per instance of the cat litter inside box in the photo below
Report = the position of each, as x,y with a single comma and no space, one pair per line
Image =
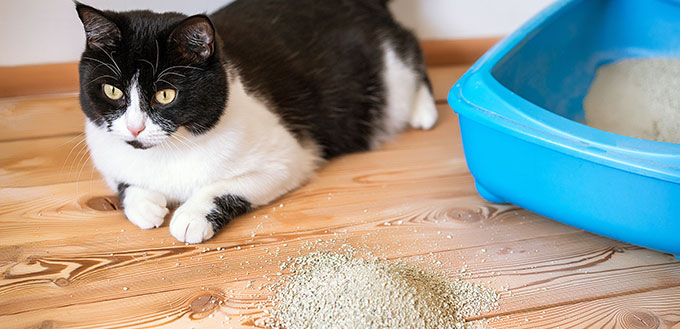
637,97
523,124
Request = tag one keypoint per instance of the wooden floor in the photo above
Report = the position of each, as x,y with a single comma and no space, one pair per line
69,259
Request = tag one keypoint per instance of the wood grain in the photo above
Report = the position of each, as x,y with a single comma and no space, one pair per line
70,259
443,78
652,309
45,116
455,52
38,79
45,161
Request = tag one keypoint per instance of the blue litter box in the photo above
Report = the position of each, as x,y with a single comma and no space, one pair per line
521,119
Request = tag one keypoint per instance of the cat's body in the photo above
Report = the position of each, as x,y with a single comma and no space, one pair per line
258,102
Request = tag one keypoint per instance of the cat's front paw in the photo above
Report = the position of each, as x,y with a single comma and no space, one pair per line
189,224
144,208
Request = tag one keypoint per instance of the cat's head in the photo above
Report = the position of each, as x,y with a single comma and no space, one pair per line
145,75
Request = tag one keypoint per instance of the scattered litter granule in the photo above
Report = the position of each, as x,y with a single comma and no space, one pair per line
638,98
340,291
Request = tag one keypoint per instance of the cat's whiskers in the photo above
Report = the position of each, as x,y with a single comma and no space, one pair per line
98,65
169,71
178,67
91,177
155,68
150,64
112,60
175,73
79,158
61,172
109,66
165,147
89,156
199,125
177,135
70,140
168,82
101,77
171,143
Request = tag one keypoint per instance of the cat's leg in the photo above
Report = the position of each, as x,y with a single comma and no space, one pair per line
424,113
212,207
144,208
200,217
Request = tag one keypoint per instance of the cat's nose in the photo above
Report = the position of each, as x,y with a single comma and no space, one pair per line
135,130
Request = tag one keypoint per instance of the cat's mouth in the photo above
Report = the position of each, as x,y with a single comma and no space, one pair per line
138,145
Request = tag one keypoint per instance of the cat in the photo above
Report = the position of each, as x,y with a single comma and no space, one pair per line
221,114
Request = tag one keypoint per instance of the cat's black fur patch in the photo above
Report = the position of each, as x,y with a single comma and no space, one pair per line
318,63
227,207
121,193
137,145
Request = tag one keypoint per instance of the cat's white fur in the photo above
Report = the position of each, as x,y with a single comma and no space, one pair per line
408,99
249,153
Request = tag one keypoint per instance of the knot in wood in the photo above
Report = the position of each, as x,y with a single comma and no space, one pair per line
203,305
62,282
639,319
467,215
47,324
103,203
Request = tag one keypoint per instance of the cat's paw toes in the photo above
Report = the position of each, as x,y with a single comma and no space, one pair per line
146,209
424,115
424,118
190,225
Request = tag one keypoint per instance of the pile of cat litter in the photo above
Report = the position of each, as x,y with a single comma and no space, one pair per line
638,98
337,290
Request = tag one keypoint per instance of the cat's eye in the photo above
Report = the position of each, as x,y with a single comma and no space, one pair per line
165,96
112,92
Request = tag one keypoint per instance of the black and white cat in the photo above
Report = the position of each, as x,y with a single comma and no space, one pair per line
226,113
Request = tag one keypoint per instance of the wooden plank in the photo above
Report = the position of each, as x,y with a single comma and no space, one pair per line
45,161
651,309
443,78
455,52
45,116
63,77
551,271
60,115
38,79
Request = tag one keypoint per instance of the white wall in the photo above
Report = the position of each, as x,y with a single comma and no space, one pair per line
49,31
461,19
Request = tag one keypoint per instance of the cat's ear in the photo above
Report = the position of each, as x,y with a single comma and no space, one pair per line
100,32
194,39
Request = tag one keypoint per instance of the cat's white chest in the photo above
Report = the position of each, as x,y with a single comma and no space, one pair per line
173,169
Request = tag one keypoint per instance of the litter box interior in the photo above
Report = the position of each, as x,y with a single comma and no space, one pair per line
554,66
